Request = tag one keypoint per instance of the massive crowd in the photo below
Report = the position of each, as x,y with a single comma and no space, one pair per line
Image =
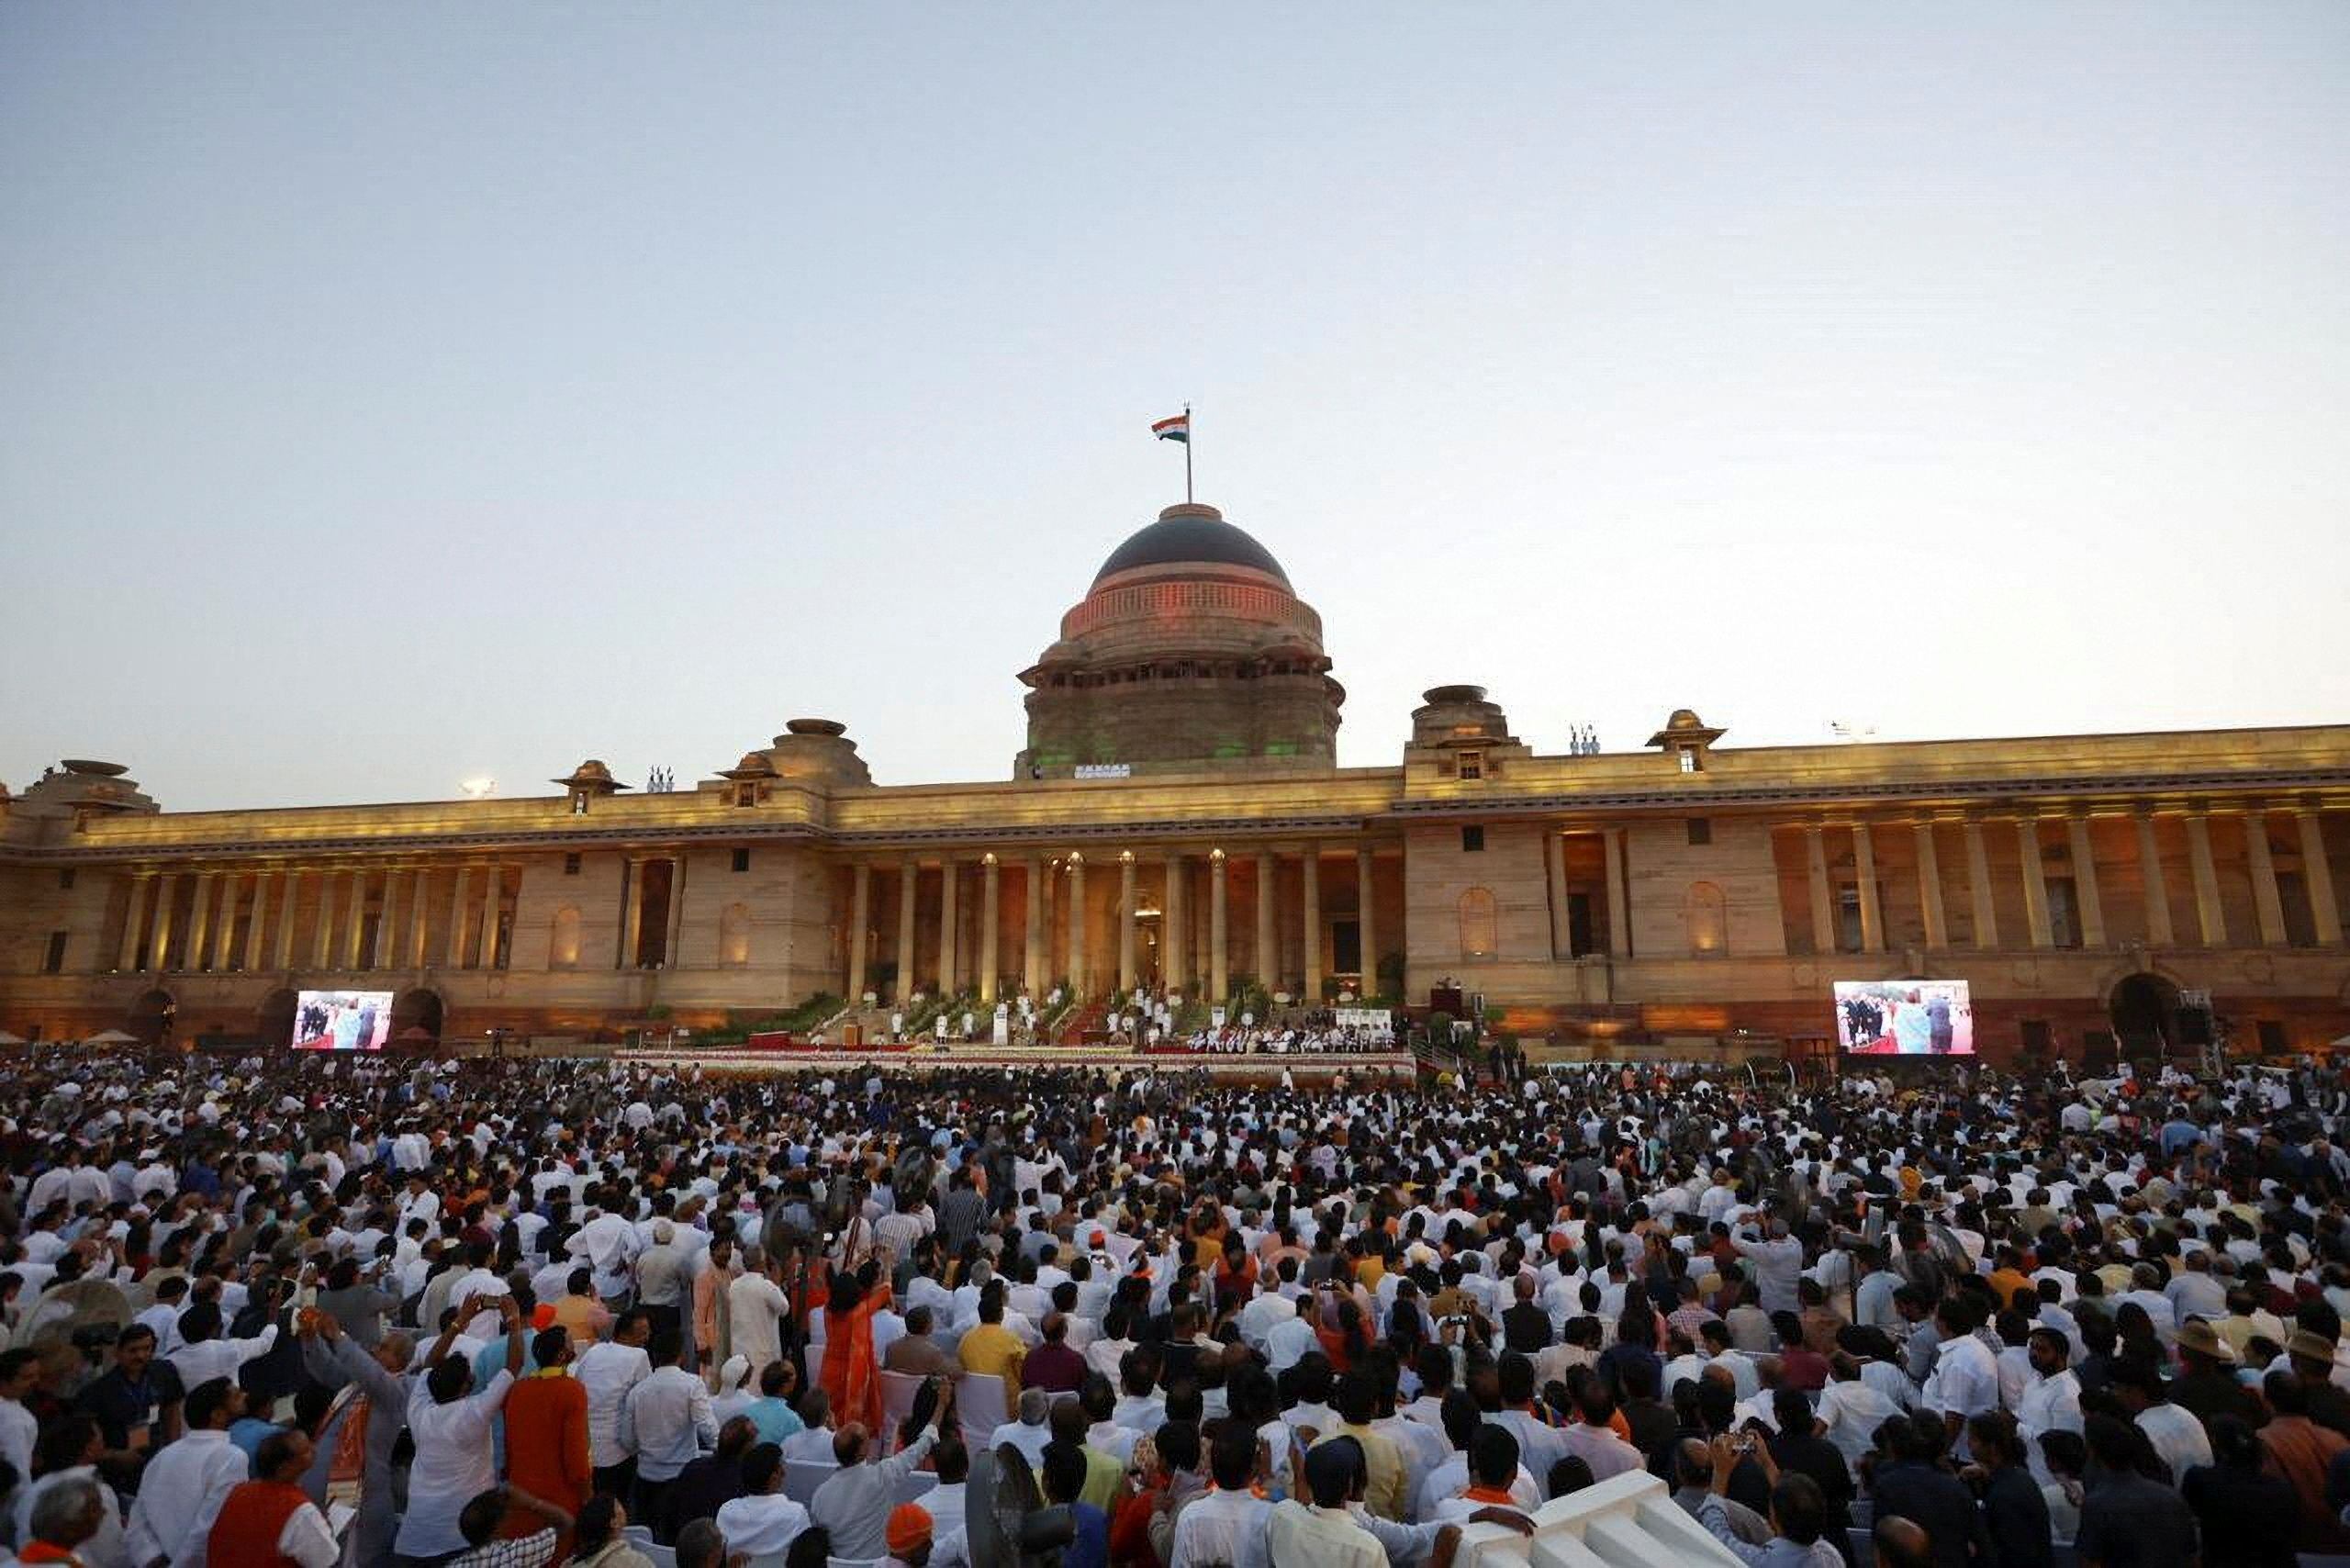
306,1311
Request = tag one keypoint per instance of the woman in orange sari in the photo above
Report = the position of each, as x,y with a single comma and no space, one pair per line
851,1377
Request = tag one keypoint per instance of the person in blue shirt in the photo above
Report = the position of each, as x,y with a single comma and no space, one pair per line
771,1411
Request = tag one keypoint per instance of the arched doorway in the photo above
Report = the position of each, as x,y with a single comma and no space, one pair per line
417,1008
151,1015
273,1023
2144,1009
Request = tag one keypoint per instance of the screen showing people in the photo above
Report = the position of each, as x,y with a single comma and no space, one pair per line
342,1020
1905,1018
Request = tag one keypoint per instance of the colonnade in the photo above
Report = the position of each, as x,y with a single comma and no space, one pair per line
267,903
1055,917
2212,927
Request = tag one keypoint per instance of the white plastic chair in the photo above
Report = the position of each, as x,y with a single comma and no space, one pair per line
898,1393
982,1403
659,1556
856,1563
802,1476
918,1484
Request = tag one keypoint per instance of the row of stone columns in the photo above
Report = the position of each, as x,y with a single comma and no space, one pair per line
339,937
2088,902
1179,965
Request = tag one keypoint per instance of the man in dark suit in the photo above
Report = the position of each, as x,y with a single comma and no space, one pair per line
1525,1328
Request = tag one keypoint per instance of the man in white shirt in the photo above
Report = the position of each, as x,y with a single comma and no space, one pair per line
607,1244
1964,1382
2174,1431
2050,1401
666,1421
1265,1311
762,1523
181,1490
755,1305
608,1370
1227,1526
452,1423
203,1355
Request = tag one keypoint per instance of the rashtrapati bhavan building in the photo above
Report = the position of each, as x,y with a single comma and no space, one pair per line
1178,821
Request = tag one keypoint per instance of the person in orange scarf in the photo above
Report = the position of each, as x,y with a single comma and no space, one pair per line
63,1516
546,1437
851,1375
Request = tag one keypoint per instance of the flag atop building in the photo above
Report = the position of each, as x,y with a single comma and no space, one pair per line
1176,429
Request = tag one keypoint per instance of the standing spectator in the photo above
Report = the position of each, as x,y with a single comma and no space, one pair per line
180,1491
608,1371
666,1421
546,1431
451,1422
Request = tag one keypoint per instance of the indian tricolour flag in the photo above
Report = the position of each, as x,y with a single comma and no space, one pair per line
1176,429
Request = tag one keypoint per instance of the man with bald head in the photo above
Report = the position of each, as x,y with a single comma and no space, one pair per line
377,1383
853,1505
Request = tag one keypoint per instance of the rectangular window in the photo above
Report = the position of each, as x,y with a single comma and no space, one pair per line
1688,760
1848,918
54,961
747,794
1701,829
571,864
65,878
1473,840
2272,1037
1472,765
742,860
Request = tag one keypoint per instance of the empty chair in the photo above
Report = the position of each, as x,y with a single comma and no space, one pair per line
898,1391
659,1556
802,1476
856,1563
979,1402
917,1485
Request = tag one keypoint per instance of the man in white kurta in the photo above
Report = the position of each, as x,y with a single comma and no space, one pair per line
456,1459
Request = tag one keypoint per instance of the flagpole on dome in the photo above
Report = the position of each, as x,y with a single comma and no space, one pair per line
1187,455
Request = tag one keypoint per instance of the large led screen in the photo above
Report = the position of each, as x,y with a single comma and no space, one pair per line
1905,1018
342,1020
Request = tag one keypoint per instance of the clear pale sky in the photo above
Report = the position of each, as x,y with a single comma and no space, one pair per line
396,395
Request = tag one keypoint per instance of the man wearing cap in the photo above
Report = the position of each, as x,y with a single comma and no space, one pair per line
2207,1385
2312,1354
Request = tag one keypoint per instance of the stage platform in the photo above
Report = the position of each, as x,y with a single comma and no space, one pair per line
1304,1067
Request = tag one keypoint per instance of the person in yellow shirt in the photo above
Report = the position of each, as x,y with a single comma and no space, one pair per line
991,1347
1356,1403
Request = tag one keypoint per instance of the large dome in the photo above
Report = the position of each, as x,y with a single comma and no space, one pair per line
1190,535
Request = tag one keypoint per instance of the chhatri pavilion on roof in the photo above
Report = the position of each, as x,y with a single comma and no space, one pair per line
1178,821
